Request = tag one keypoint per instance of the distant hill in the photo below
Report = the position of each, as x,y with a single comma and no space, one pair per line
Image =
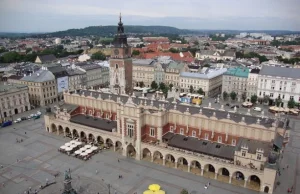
111,30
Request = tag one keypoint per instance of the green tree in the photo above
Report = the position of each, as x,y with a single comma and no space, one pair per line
98,56
162,86
291,103
200,91
191,89
2,50
173,50
266,99
244,96
233,95
196,42
278,101
11,57
141,84
184,191
154,85
170,86
225,95
165,91
254,98
135,52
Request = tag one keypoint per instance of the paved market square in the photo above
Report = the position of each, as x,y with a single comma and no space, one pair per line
36,160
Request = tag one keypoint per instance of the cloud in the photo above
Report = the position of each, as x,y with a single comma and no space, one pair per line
44,15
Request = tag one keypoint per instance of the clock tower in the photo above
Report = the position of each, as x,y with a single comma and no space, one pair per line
120,63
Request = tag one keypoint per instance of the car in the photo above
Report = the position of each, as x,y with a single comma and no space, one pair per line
258,109
18,120
29,117
237,106
39,113
24,118
227,104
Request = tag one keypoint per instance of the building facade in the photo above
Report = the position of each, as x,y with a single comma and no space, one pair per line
76,78
235,80
279,82
252,83
210,80
42,87
172,73
215,55
14,99
143,71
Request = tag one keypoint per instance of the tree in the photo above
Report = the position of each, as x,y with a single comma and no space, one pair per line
135,52
254,98
191,89
98,56
196,42
278,101
165,91
200,91
170,86
233,95
154,85
225,95
244,96
184,191
266,99
142,84
291,103
162,86
173,50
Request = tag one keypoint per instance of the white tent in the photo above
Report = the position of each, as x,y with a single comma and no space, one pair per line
89,151
68,149
63,147
78,152
77,143
94,148
88,146
83,154
67,144
82,149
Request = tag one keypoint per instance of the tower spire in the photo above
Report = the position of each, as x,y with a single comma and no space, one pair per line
120,17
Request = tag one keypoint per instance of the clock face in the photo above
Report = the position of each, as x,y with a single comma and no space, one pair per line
116,51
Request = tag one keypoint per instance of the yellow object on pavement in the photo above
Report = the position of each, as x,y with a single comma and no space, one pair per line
160,192
148,192
154,187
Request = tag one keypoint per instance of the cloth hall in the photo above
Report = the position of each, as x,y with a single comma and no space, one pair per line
237,149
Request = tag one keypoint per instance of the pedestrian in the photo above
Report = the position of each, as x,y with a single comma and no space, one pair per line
287,166
96,171
25,132
208,183
69,170
118,160
115,191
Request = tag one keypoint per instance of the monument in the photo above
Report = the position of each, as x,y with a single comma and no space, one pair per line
68,189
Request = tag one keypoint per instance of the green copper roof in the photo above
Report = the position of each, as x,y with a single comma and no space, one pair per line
238,72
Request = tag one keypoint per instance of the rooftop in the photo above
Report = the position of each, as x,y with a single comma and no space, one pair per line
8,87
40,76
238,72
97,123
143,62
280,72
208,74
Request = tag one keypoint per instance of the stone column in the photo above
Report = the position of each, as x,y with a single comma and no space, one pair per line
230,178
245,183
164,161
159,134
216,175
202,171
189,168
176,164
152,158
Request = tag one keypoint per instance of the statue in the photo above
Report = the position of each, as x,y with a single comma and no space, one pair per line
67,175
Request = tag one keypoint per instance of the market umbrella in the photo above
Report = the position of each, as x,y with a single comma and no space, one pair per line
68,149
83,154
82,149
286,110
154,187
148,192
88,146
73,146
77,152
63,147
73,141
67,144
160,192
77,143
281,109
94,148
89,151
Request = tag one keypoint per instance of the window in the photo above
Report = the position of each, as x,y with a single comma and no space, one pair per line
293,83
219,139
243,153
258,156
130,130
152,132
98,114
291,97
272,88
181,131
271,94
233,142
273,81
107,116
90,112
193,133
283,97
172,129
206,136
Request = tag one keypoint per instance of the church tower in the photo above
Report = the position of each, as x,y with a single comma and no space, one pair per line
120,63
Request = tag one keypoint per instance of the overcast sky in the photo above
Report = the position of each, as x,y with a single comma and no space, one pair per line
53,15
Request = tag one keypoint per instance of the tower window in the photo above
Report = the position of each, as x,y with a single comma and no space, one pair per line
117,66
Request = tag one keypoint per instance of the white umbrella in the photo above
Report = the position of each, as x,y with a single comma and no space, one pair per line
77,143
67,144
73,141
68,149
77,152
73,146
83,154
94,148
63,147
88,146
89,151
82,149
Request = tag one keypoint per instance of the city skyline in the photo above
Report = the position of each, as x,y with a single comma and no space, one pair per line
43,16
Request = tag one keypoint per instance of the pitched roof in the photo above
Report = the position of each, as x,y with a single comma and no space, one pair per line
143,62
47,58
40,76
207,75
280,71
238,72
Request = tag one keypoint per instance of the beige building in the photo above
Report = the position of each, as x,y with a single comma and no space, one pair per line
252,83
42,87
143,71
229,147
210,80
76,77
14,99
219,54
172,73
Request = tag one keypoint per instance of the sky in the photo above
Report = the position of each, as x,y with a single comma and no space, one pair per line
55,15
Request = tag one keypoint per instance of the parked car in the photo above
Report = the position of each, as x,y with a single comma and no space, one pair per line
227,104
24,118
39,113
6,123
258,109
237,106
18,120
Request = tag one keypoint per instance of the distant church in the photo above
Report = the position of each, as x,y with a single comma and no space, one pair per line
120,63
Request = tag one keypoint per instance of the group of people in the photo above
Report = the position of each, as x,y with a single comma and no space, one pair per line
19,141
207,185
